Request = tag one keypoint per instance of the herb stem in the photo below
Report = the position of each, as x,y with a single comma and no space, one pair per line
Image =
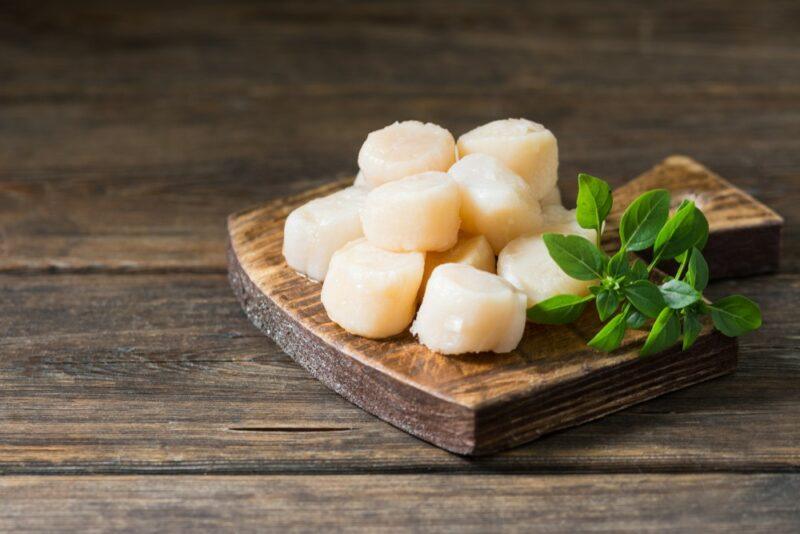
654,262
682,267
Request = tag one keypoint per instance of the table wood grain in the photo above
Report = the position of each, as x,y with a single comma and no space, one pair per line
135,394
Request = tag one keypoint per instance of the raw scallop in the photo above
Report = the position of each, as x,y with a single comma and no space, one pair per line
317,229
468,310
557,219
405,148
372,292
470,250
495,202
360,181
417,213
527,148
526,263
552,198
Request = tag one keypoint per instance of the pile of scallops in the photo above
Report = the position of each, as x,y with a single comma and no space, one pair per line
449,232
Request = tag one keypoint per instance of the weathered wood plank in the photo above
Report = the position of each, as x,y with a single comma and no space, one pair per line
127,129
430,503
117,374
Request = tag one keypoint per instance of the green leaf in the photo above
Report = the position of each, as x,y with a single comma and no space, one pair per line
681,232
639,271
697,273
561,309
607,303
691,329
636,319
618,265
645,297
678,294
576,256
643,219
700,229
735,315
594,202
610,336
665,332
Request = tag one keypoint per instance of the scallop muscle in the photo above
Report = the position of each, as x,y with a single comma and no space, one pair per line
495,202
405,148
372,292
526,147
317,229
419,212
469,310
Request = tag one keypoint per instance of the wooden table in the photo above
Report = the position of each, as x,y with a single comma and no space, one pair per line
135,394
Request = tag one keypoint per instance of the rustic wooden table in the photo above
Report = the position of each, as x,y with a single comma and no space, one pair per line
135,394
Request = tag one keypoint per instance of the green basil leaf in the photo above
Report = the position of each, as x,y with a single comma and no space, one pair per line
610,336
639,271
665,332
576,256
697,272
691,329
594,202
643,219
618,265
645,297
636,319
678,294
561,309
700,229
607,303
735,315
681,232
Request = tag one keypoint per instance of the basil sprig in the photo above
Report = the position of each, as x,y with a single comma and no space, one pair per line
626,294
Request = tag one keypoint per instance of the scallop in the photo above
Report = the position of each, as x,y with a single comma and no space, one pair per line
526,263
469,310
470,250
360,181
527,148
495,202
558,220
416,213
551,198
372,292
317,229
405,148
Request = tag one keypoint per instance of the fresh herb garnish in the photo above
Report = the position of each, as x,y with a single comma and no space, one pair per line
626,296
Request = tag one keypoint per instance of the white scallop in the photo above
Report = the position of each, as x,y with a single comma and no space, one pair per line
318,228
470,250
405,148
372,292
416,213
360,181
469,310
551,198
527,148
526,263
495,202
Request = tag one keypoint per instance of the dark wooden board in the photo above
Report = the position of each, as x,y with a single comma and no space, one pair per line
477,404
429,503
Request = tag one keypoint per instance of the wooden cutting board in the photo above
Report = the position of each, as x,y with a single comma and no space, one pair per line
481,403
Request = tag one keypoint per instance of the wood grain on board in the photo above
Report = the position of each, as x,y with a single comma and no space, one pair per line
477,404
